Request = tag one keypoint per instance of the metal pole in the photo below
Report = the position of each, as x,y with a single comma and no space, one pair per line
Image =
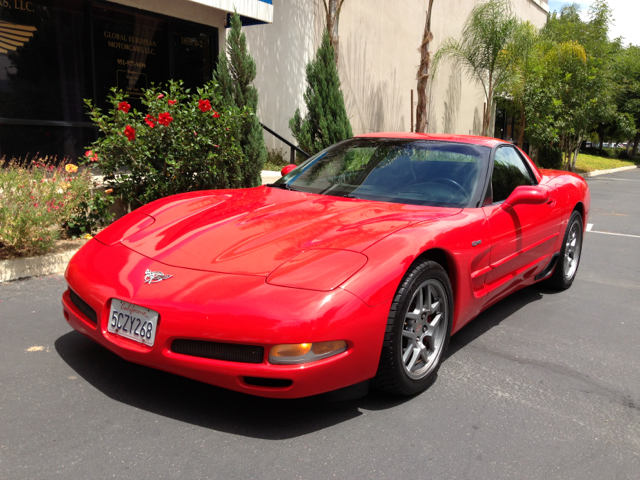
412,110
292,157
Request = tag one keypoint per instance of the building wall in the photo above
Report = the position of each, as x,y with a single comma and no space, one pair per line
185,10
379,56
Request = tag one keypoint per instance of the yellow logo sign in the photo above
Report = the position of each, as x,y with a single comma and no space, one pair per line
13,36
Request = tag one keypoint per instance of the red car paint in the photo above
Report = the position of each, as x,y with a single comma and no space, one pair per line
266,266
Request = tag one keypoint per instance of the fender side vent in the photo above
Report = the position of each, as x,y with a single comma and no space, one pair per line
83,306
230,352
268,382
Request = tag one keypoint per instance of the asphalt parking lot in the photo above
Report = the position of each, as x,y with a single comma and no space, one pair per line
542,385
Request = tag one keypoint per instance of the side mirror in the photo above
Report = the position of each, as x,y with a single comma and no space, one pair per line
527,195
287,169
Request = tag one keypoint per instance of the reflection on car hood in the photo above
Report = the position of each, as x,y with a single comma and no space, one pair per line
253,231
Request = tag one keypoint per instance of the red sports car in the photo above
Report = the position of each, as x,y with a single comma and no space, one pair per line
356,266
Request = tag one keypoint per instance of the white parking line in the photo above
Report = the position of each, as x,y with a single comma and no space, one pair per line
617,234
589,226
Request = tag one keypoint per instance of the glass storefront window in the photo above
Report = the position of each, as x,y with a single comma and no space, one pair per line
43,67
56,53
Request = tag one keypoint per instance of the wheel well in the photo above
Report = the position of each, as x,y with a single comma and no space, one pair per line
442,258
580,209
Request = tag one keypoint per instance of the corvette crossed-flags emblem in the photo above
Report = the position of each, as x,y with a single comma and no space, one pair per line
14,36
155,277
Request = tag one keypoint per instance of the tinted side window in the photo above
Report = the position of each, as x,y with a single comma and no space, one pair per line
509,172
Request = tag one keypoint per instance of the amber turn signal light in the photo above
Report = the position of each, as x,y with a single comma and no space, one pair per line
292,350
296,353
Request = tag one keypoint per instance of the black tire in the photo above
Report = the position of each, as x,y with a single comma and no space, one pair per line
393,374
563,276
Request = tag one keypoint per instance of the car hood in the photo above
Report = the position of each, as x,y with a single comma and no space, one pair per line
253,231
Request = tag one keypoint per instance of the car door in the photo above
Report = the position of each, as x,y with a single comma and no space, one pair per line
524,236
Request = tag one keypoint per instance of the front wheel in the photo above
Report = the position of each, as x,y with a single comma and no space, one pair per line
569,260
418,330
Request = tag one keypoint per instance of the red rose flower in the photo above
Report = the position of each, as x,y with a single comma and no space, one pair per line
216,115
150,120
173,102
130,133
204,105
124,107
165,119
161,96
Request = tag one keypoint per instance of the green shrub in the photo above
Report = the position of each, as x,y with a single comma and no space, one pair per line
235,74
326,121
91,214
550,156
182,142
35,202
276,159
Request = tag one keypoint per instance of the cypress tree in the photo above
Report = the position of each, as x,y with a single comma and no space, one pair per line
326,121
235,75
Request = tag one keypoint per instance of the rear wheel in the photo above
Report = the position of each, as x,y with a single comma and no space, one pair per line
569,260
418,330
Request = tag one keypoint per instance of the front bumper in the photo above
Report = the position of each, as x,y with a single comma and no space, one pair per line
225,308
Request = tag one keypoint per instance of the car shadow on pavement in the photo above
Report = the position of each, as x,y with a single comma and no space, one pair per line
205,405
496,314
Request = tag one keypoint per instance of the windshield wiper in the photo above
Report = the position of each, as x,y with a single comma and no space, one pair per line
283,186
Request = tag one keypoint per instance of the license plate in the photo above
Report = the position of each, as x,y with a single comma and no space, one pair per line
133,321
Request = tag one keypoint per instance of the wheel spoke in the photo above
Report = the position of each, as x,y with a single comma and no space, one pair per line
414,358
420,301
429,296
435,306
413,315
407,353
425,355
408,334
434,323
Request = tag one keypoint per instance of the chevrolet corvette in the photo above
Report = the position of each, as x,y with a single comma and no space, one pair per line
354,268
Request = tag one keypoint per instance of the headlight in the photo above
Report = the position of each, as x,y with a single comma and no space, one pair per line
296,353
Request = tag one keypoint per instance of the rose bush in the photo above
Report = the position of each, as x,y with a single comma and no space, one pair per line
182,142
35,202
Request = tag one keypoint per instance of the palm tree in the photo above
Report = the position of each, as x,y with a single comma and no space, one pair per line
480,52
332,11
423,74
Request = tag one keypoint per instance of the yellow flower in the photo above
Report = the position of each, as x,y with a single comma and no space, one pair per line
71,168
88,236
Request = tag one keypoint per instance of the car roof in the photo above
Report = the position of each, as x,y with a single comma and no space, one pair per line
473,139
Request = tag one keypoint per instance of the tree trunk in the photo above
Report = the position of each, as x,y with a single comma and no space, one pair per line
332,11
575,153
485,127
423,74
635,144
523,121
601,138
628,146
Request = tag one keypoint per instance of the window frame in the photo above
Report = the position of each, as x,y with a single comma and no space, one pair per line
487,197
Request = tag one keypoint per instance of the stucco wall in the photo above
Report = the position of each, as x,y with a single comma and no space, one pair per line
379,56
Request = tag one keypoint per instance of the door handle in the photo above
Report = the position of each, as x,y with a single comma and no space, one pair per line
551,201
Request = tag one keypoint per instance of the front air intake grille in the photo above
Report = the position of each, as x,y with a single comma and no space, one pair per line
84,307
230,352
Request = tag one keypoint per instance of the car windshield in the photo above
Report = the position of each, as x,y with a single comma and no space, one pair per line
419,172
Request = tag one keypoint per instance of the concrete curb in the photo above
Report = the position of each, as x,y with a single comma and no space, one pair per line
595,173
52,264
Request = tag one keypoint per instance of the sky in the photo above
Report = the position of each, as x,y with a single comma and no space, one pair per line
625,14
